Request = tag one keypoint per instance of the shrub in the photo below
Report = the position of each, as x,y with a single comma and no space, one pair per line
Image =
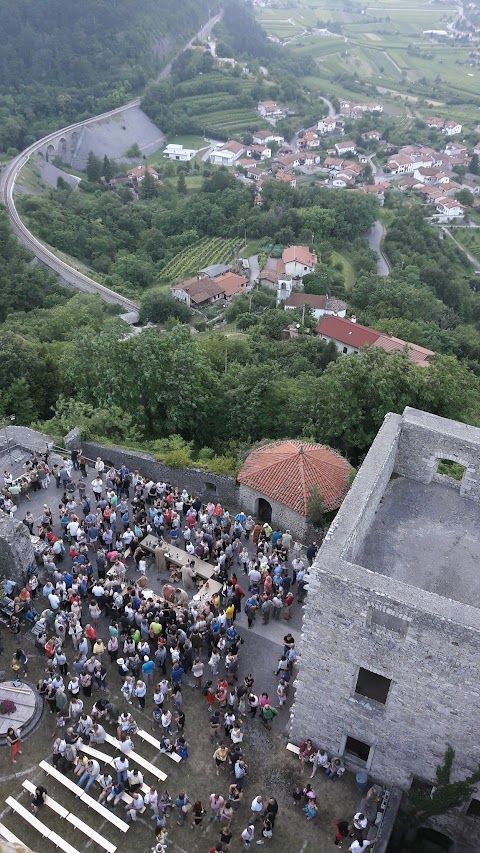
179,458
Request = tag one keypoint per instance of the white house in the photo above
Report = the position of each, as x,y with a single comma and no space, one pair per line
450,128
320,305
263,137
227,154
345,147
326,125
178,152
270,110
449,207
299,261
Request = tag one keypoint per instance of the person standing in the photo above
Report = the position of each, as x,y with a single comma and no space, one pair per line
247,836
14,742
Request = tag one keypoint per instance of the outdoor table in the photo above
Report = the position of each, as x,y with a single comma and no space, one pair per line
206,591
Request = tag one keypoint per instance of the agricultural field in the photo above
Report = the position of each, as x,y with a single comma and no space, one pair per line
214,250
470,239
381,47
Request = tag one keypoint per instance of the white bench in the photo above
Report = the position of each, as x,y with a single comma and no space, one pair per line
95,753
142,762
49,801
60,842
87,830
156,743
101,810
64,780
292,747
9,836
29,817
85,798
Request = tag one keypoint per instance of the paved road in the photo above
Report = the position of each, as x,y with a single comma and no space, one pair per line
71,276
254,268
374,237
331,109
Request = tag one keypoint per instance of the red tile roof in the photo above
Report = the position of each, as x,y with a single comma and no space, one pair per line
417,354
302,254
298,299
287,471
231,283
346,332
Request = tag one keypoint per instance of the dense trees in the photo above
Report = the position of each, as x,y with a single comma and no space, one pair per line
61,60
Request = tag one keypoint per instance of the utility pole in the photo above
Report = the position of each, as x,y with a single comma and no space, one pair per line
226,358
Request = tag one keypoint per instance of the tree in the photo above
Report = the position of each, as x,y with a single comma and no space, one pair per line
465,197
445,795
316,507
182,184
157,306
94,168
107,170
474,166
148,187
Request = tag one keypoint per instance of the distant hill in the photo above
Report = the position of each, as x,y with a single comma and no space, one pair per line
61,60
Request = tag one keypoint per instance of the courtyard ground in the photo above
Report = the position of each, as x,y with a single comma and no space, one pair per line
273,771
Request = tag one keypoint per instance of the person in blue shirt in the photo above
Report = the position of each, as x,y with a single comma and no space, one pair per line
147,668
241,517
177,673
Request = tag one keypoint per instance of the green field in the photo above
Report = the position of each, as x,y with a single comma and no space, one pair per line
470,239
381,45
214,250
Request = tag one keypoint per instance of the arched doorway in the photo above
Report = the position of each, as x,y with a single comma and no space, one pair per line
264,511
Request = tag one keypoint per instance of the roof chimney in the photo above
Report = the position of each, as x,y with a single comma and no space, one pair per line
353,319
301,451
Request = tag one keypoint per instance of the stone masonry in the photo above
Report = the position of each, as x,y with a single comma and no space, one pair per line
361,621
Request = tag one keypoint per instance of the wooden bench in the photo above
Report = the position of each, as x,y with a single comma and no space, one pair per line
49,801
293,748
156,743
60,842
87,830
29,817
9,836
142,762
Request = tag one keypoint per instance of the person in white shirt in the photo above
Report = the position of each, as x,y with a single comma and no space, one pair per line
106,783
134,807
72,528
248,836
359,846
99,466
134,780
151,799
257,807
121,766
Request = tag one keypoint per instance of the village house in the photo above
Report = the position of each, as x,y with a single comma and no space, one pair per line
350,337
326,125
450,128
254,172
376,189
455,149
258,152
299,261
333,164
287,163
372,134
309,139
320,305
197,292
449,207
178,152
345,147
263,137
227,154
471,186
286,179
138,173
230,284
270,110
435,123
425,176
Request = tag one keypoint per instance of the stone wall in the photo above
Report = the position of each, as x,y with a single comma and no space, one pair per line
198,482
427,438
433,664
283,518
426,645
16,551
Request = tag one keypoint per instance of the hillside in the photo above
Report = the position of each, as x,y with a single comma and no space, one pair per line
61,60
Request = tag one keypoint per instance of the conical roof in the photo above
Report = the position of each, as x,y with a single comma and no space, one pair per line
286,472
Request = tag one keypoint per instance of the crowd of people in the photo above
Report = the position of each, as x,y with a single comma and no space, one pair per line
94,622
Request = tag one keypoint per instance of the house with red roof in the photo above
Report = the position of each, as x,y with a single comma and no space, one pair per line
230,284
138,173
227,154
350,337
277,480
197,292
299,261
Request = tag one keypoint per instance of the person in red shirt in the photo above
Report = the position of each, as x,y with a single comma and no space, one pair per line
287,610
307,751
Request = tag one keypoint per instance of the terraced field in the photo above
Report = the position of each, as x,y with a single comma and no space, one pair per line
470,238
214,250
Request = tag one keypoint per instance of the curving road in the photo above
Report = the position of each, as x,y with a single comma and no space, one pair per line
69,274
374,238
